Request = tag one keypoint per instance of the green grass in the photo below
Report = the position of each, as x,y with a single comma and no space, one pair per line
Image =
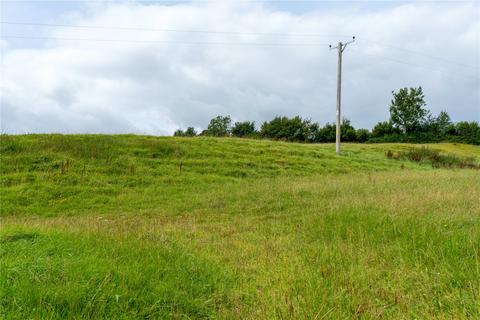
121,227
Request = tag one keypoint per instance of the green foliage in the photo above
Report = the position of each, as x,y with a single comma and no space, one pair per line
347,131
179,133
382,129
190,132
441,123
468,132
409,122
406,109
435,158
219,126
286,129
244,129
363,135
326,134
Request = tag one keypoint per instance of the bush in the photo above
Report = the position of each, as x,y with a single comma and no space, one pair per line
244,129
468,132
434,157
294,129
190,132
382,129
326,134
347,132
363,135
179,133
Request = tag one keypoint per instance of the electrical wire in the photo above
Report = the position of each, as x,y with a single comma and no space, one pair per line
166,41
415,65
419,53
231,33
173,30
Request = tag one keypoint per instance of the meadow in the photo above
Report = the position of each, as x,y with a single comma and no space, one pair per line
142,227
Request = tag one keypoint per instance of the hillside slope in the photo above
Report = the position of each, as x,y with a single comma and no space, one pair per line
102,227
69,174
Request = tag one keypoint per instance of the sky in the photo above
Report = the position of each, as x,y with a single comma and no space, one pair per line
151,67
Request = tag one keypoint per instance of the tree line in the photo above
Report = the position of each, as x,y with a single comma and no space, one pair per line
409,121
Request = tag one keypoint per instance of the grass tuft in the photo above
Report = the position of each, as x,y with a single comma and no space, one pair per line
435,158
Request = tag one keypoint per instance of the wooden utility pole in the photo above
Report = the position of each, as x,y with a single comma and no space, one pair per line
340,47
339,98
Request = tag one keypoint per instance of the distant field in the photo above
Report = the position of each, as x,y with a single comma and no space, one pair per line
139,227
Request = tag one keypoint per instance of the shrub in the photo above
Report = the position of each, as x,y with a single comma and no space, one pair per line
190,132
179,133
326,133
243,129
347,131
382,129
468,132
434,157
294,129
363,135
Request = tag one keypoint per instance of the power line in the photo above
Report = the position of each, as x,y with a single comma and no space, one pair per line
166,41
421,54
169,30
415,65
278,34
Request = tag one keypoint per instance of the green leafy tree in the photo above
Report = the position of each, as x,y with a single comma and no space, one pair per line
190,132
294,129
326,133
468,132
219,126
243,129
382,129
347,131
406,109
441,123
179,133
363,135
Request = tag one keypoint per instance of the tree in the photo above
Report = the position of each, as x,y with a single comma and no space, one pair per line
382,129
441,123
326,133
406,109
294,129
220,126
190,132
363,135
179,133
468,132
347,131
243,129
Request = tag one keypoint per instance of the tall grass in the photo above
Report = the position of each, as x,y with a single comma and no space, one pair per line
145,227
435,158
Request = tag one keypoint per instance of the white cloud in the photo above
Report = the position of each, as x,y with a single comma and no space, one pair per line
146,87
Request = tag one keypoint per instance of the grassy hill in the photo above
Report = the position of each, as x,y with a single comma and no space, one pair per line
97,226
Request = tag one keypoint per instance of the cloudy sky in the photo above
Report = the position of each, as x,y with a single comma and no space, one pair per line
152,67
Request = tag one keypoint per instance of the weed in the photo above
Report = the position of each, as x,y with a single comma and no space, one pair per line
435,158
17,236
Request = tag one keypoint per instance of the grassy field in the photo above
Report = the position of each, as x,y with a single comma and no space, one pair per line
138,227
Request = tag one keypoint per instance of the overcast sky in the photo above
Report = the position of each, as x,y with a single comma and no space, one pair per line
260,59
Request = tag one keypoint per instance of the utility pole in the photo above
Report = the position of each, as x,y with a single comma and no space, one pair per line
340,47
